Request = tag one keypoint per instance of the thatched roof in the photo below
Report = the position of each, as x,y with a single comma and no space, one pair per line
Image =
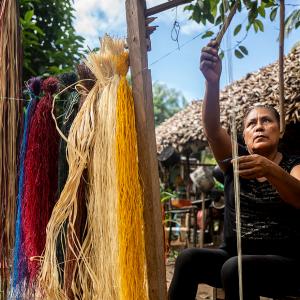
184,129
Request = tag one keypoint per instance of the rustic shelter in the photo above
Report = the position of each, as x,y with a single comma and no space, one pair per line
184,131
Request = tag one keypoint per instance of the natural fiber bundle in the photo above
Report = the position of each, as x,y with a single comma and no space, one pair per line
66,258
40,184
99,273
10,112
19,269
80,141
98,270
132,259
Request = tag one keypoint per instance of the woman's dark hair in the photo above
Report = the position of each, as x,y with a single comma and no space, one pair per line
268,107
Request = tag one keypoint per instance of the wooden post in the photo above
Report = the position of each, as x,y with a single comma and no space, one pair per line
148,166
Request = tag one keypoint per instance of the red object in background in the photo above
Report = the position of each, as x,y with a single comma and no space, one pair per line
179,203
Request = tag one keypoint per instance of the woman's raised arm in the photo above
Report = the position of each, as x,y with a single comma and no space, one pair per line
218,138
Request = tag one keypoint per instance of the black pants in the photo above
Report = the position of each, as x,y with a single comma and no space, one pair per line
263,275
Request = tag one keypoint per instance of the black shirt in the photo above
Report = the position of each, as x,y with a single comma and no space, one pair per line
268,224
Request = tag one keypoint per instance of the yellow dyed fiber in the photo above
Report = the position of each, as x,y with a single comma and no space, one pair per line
132,260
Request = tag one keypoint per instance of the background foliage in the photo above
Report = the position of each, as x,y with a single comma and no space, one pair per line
166,101
50,44
212,12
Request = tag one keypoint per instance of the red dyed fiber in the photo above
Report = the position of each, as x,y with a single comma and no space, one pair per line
40,186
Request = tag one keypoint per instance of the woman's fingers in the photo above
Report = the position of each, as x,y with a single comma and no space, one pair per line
213,43
246,165
248,173
210,50
206,64
209,57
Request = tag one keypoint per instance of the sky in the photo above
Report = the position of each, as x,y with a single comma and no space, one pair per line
178,67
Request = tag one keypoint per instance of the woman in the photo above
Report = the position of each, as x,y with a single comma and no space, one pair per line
269,200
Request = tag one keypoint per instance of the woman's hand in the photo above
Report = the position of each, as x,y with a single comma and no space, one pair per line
210,62
254,166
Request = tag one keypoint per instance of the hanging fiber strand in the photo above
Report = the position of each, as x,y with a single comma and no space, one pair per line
87,79
66,258
99,272
40,185
70,109
80,140
19,269
10,113
132,257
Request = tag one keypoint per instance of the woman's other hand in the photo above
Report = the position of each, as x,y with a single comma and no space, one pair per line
210,62
254,166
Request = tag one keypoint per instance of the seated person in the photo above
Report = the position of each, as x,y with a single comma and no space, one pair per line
269,202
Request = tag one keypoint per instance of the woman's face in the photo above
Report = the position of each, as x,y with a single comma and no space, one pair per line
261,131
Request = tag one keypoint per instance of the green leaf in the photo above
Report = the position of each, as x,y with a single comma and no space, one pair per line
213,8
260,25
237,29
211,18
273,14
28,16
244,50
189,7
218,20
221,54
261,10
239,6
200,4
297,24
252,15
196,15
238,53
207,34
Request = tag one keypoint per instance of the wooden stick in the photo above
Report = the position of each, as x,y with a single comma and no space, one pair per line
227,23
164,6
281,69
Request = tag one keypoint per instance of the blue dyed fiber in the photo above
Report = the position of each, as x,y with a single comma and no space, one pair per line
19,262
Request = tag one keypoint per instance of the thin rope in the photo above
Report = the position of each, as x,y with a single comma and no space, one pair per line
234,143
27,100
175,31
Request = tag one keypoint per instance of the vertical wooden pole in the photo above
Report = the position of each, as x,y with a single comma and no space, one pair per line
148,166
281,69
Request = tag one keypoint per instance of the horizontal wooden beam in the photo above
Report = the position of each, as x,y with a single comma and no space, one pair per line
164,6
